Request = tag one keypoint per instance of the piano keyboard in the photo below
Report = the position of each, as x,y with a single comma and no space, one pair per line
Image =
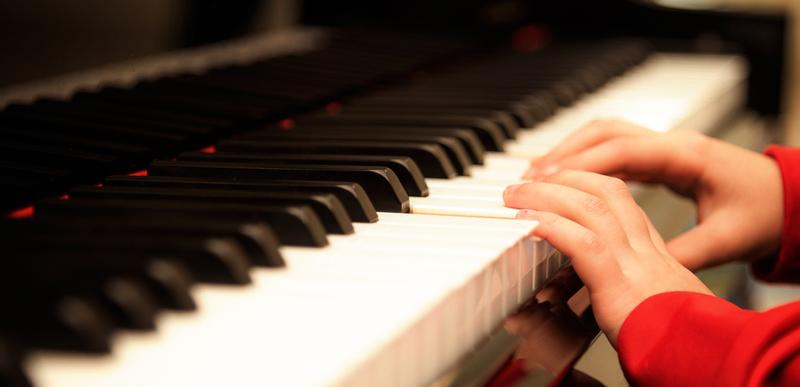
366,244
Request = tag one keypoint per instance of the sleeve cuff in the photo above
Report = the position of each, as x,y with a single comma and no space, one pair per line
785,266
679,339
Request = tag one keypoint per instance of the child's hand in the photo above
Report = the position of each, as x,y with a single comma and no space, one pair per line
614,249
739,193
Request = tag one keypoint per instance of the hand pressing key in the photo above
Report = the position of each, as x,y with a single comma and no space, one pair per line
612,244
738,192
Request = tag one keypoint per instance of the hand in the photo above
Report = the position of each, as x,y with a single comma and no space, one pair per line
739,193
612,244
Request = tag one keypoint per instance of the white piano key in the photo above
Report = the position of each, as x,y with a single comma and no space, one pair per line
344,264
461,207
466,183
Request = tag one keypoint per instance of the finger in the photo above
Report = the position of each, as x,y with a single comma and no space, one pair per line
513,324
583,208
589,254
522,323
589,135
649,159
614,192
655,236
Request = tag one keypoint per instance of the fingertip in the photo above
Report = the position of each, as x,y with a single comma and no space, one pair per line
511,189
527,214
538,159
550,170
512,325
530,173
539,172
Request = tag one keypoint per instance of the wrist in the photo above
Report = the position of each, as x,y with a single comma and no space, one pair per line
781,263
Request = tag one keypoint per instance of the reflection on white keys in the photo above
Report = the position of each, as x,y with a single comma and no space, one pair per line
400,301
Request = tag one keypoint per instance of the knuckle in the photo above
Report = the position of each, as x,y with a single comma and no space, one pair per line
548,219
594,205
615,187
620,147
547,222
697,142
556,177
598,125
592,243
602,122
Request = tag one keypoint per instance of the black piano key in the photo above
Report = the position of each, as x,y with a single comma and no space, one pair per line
271,83
122,150
11,360
23,183
217,105
215,260
431,158
53,156
46,319
481,98
171,283
127,299
223,97
168,281
489,86
466,137
381,184
153,139
88,102
267,83
491,135
524,116
257,239
70,113
456,153
404,167
352,195
505,120
128,303
295,225
17,172
327,207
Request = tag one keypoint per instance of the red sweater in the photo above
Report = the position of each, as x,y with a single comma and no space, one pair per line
690,339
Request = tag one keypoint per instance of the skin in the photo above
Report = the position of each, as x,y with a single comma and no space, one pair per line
579,195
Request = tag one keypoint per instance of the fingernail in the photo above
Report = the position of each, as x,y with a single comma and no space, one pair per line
511,189
526,214
530,174
550,169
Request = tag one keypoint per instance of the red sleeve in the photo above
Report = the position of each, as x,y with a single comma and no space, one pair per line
692,339
785,267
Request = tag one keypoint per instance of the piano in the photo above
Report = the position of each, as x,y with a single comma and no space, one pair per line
314,206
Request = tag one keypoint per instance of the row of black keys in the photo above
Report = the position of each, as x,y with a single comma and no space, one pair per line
114,255
52,144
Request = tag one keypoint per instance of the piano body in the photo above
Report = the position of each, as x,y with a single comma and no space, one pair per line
321,205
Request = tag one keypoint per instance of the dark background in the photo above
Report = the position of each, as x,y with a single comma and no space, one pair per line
43,38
